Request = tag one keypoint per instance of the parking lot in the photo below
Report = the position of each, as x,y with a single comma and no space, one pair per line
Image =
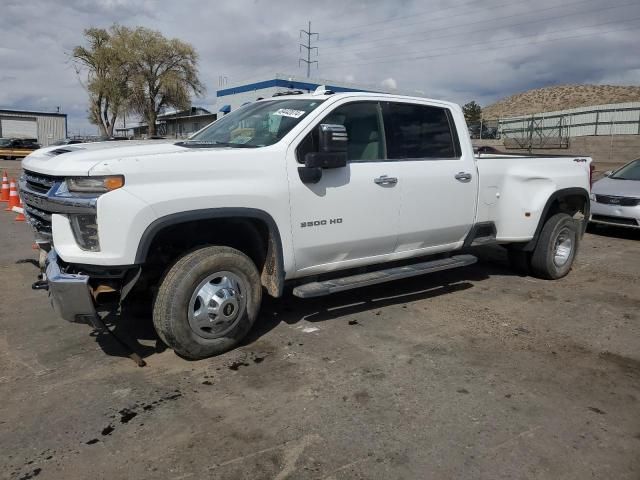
471,373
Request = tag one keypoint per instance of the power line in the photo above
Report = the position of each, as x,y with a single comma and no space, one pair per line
493,20
483,45
334,65
433,19
394,19
429,12
309,48
491,28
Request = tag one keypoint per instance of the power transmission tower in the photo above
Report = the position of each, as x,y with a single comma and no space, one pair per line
308,48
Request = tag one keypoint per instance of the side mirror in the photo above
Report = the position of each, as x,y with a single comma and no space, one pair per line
332,138
332,153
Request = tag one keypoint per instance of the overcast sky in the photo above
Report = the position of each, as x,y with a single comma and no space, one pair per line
456,50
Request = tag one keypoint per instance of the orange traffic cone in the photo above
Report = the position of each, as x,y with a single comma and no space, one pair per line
4,196
20,217
13,196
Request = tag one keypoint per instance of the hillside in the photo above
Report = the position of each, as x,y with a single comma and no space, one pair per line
560,97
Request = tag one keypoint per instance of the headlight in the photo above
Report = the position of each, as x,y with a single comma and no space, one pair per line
592,196
95,184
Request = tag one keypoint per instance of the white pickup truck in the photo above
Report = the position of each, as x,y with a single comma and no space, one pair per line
323,192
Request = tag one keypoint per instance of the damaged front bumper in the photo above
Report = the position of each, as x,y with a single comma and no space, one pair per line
70,293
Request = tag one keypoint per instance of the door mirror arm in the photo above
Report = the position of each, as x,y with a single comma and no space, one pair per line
310,174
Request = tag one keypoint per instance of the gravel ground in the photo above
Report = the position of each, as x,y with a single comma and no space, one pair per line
475,373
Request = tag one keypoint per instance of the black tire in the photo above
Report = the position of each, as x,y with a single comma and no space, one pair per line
171,310
547,262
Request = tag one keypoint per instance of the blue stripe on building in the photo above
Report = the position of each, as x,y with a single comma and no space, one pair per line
278,82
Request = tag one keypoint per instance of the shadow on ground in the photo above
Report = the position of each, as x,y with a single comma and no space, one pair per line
614,232
135,328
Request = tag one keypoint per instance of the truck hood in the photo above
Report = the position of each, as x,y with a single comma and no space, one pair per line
79,159
618,188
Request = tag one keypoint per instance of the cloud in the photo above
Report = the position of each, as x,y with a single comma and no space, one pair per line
389,83
458,52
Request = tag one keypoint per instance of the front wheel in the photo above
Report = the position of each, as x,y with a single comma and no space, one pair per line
557,246
207,302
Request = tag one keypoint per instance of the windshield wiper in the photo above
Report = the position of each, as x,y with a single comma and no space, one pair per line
235,145
205,144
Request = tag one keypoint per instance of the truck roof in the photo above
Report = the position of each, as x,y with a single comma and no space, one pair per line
310,96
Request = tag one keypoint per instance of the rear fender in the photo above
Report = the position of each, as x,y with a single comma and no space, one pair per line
551,207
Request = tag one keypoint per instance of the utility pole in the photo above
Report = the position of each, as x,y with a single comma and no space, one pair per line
308,48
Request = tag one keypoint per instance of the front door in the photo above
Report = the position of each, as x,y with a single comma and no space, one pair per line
351,215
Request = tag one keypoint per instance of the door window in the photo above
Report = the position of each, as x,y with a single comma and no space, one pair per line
419,132
363,121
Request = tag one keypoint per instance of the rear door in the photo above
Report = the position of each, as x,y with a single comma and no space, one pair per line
438,180
351,215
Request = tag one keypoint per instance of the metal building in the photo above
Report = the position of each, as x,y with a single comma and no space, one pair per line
46,127
555,129
174,124
232,97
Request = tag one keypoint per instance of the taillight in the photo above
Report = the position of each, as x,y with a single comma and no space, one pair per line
591,170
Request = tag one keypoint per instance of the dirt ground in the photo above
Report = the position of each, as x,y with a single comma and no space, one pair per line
475,373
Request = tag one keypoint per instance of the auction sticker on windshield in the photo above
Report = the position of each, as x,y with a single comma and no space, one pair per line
288,112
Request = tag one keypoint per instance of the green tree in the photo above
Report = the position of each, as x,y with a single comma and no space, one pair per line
164,73
472,112
103,72
135,70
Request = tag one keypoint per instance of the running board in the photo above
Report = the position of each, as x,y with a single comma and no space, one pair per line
319,289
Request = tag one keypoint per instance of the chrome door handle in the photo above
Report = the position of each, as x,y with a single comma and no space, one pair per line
384,180
463,176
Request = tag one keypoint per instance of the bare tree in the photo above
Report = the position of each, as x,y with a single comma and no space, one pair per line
164,73
103,71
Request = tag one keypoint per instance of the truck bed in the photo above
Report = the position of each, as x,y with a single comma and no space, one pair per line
514,189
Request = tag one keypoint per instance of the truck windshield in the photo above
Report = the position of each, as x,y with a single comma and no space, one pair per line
630,171
255,125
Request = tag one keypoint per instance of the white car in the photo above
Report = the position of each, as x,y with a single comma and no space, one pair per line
294,190
615,199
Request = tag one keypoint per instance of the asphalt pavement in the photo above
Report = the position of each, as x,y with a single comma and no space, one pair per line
473,374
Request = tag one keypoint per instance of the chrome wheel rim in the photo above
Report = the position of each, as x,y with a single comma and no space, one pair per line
217,305
563,248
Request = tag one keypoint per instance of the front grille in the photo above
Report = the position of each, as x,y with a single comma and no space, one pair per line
614,200
43,196
39,220
36,187
630,222
38,182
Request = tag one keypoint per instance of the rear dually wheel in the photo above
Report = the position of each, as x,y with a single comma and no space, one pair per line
557,246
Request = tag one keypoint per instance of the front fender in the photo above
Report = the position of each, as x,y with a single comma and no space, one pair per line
274,282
